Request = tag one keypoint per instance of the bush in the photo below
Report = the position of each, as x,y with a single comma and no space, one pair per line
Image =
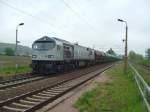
9,51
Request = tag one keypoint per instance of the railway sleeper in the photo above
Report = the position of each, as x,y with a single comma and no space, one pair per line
62,89
35,99
60,86
12,105
55,91
28,102
41,97
66,84
63,86
20,105
46,92
45,95
11,109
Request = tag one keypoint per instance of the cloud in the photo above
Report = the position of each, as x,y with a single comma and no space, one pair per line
89,22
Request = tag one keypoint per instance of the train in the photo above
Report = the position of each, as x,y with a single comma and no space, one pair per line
51,55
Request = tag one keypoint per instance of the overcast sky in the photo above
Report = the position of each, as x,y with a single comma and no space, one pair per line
91,23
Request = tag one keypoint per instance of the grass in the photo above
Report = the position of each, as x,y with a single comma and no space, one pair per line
8,63
7,71
118,95
144,73
146,62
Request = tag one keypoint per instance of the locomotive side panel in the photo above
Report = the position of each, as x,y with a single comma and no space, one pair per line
68,52
80,53
83,56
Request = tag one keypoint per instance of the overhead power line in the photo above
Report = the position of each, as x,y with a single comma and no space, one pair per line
52,26
26,13
78,15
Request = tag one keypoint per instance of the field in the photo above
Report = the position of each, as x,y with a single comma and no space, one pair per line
8,65
141,68
118,95
146,62
143,72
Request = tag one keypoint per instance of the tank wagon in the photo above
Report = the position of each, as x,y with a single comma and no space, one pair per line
51,54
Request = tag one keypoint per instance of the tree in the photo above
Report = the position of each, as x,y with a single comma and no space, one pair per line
110,51
9,51
135,57
148,53
132,55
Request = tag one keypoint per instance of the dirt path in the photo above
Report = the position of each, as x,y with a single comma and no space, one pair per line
67,104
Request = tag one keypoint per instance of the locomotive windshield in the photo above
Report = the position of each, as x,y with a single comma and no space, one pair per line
45,45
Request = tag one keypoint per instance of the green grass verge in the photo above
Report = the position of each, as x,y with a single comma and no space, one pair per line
7,71
7,65
118,95
144,73
7,61
146,62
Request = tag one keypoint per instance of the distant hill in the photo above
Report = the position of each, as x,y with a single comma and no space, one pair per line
22,50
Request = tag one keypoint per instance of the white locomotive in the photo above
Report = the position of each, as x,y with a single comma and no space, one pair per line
51,54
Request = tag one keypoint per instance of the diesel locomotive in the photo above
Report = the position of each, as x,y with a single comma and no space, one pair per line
51,55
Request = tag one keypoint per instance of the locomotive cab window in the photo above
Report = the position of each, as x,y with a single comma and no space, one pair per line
43,45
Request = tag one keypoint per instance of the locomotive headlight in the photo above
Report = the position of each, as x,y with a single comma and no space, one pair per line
50,56
34,56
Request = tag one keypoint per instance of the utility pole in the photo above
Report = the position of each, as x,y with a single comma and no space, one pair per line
16,41
16,46
17,37
126,50
126,46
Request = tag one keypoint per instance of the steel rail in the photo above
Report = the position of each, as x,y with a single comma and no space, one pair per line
25,79
19,79
146,67
34,100
13,83
14,78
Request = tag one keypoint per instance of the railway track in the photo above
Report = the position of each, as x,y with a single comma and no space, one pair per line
19,81
146,67
34,100
15,77
46,82
25,78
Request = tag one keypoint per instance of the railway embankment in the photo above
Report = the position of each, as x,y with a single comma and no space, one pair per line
118,94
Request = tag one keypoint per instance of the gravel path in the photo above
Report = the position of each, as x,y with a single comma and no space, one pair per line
67,105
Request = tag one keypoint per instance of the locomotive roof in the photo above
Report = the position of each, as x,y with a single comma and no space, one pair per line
46,38
61,40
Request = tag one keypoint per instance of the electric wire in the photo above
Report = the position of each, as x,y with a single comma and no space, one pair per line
78,15
27,14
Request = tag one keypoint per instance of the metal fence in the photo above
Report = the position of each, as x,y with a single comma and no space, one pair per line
143,87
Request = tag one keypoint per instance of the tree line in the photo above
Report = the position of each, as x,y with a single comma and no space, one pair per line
138,58
148,53
133,56
8,51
